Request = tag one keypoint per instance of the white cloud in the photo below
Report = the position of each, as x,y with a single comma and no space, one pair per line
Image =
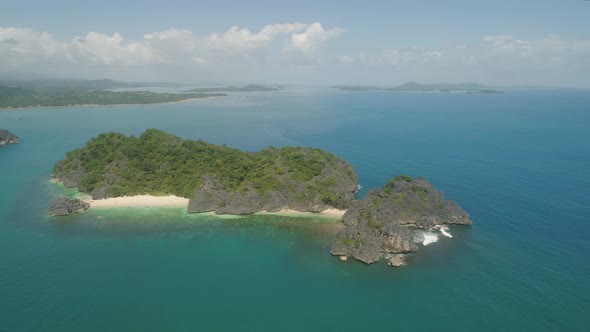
20,47
99,49
312,37
283,50
244,37
25,46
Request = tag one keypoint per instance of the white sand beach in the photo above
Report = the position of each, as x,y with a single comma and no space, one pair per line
175,201
138,201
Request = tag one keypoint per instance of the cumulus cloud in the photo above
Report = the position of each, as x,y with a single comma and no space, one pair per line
283,50
172,47
312,37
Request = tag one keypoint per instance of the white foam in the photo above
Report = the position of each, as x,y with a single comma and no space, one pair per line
445,231
429,238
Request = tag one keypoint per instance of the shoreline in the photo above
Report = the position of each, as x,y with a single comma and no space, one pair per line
286,212
175,201
137,201
103,105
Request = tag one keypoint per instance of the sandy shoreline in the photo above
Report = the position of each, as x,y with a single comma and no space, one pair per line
327,212
138,201
175,201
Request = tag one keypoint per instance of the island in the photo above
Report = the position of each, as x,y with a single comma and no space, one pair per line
46,94
7,137
389,222
211,177
247,88
421,87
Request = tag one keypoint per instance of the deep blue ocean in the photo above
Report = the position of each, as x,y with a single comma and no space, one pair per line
518,163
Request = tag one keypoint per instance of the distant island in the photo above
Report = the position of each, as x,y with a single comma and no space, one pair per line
119,170
18,94
7,137
419,87
247,88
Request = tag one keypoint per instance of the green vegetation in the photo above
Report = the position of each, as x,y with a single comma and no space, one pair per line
247,88
350,242
390,185
375,224
36,94
159,163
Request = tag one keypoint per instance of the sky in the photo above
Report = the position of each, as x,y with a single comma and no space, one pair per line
327,42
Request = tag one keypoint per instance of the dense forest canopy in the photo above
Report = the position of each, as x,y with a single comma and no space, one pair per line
159,163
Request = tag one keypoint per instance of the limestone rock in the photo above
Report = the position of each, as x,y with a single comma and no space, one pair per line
384,222
7,137
397,260
63,206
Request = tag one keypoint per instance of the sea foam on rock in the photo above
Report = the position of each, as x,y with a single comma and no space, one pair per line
387,220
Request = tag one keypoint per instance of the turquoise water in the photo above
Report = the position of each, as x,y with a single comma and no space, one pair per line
519,163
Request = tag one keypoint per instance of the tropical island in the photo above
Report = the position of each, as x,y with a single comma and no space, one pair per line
20,94
420,87
247,88
205,177
7,137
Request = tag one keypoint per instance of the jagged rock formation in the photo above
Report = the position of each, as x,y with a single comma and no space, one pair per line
63,206
7,137
383,222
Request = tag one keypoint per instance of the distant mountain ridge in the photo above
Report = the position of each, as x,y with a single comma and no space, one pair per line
247,88
414,86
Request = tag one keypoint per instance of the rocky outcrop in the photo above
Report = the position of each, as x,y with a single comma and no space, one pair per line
7,137
397,260
63,206
211,196
384,222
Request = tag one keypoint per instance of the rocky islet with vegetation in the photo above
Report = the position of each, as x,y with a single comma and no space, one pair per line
385,223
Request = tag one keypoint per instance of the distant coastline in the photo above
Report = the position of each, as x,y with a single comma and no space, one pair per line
107,105
421,87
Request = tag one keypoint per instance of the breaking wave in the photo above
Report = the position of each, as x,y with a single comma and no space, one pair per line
426,238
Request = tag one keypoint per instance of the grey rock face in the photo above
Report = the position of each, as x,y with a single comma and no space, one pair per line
212,197
384,221
7,137
397,260
63,206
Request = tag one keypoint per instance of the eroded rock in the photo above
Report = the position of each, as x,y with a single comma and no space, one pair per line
63,206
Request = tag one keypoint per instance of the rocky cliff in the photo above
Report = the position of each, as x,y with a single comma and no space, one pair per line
7,137
386,220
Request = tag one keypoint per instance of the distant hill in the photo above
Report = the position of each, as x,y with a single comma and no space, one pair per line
247,88
357,88
37,93
413,86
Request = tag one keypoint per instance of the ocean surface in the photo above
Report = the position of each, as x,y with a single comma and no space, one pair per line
518,163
